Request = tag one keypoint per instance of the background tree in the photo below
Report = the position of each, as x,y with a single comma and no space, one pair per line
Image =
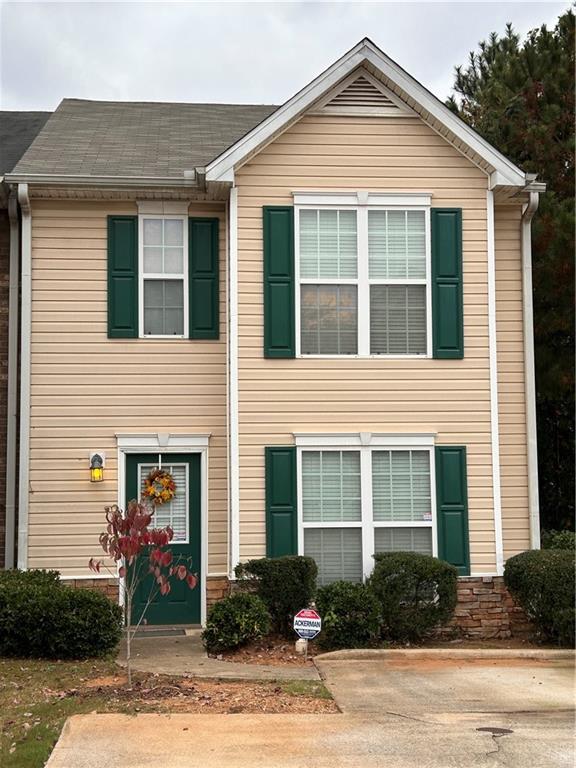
520,97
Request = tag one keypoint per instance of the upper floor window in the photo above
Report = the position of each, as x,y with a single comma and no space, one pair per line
163,276
364,280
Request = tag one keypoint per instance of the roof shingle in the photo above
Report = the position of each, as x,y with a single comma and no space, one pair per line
17,132
136,139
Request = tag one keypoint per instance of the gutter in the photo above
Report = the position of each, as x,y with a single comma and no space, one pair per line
12,394
187,180
529,370
26,323
233,436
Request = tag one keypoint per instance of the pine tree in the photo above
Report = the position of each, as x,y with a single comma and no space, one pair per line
520,97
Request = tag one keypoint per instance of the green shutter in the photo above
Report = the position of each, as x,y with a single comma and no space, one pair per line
122,277
203,278
452,507
279,325
281,507
447,304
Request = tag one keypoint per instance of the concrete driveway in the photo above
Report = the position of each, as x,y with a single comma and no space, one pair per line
414,711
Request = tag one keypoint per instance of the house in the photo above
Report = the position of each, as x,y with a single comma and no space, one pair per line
317,318
17,130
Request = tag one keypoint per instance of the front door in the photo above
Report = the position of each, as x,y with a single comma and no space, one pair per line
182,604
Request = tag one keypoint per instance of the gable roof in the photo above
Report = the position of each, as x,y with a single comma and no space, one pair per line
367,56
136,139
17,131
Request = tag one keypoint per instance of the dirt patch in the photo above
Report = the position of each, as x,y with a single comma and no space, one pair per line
214,696
273,651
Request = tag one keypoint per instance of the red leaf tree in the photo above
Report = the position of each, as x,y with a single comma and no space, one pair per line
141,553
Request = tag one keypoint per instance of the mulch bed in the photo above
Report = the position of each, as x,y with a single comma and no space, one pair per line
273,650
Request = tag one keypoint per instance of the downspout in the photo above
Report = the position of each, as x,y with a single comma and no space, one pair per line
233,384
12,393
529,371
26,323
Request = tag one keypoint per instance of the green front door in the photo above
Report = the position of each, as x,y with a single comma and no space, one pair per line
182,604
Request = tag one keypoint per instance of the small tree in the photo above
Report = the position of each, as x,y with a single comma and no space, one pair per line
140,552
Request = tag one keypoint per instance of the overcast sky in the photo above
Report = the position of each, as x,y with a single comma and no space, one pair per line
235,52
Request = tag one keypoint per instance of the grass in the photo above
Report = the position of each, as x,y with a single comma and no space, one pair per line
36,697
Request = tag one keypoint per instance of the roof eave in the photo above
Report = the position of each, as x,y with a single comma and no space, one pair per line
188,180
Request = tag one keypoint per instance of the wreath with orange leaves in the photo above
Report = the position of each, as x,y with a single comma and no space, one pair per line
159,487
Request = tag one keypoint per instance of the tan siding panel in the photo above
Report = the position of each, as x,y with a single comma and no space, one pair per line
512,403
85,388
279,397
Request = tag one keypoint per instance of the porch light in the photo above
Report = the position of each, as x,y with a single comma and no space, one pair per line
97,462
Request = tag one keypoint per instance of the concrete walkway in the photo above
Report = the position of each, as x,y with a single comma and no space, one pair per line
186,656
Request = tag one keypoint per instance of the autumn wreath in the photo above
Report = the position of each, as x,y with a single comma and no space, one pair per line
159,486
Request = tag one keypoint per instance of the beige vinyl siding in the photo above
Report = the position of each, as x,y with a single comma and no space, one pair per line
279,397
85,387
511,391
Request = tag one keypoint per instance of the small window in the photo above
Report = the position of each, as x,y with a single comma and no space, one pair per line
175,512
164,276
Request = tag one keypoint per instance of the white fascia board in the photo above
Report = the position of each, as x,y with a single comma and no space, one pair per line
188,180
220,168
387,199
337,439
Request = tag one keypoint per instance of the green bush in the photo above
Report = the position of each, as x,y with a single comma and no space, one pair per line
350,615
234,621
285,584
559,540
35,577
542,583
42,618
415,593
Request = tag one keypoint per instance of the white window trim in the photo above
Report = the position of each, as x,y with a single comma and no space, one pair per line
365,443
162,276
362,202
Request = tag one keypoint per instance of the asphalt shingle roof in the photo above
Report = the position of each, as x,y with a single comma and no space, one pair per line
17,131
99,138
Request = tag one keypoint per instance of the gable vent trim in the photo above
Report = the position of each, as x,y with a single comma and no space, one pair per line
362,94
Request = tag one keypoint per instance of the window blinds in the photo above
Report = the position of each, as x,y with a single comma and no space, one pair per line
337,552
331,486
401,486
173,513
397,245
398,319
328,244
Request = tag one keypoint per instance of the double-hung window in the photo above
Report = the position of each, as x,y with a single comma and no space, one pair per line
363,272
355,502
163,273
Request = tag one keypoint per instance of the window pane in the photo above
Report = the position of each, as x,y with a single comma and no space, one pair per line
398,319
152,259
397,244
337,552
328,320
403,540
173,232
328,244
152,231
331,486
173,261
164,307
401,486
175,512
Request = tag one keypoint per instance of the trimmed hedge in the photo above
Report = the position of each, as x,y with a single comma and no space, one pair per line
542,582
559,540
234,621
285,584
42,618
415,592
350,615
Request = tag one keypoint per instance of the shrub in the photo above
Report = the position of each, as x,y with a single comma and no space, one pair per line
542,582
235,620
559,540
415,592
350,615
41,618
37,578
285,584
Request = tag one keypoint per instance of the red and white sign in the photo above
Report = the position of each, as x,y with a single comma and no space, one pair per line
307,623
